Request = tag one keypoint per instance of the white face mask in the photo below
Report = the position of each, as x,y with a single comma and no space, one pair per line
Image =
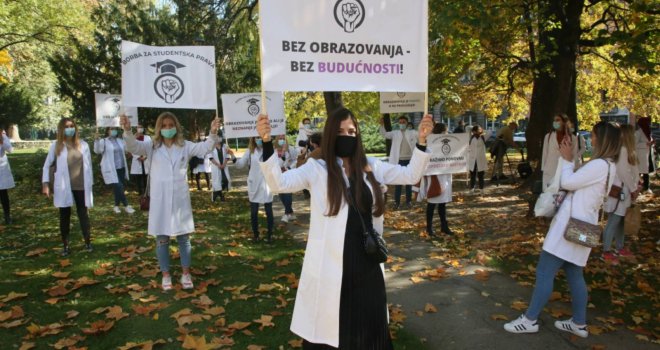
140,130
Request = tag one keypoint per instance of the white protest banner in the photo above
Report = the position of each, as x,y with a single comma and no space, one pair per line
401,102
240,113
109,108
168,77
448,153
344,45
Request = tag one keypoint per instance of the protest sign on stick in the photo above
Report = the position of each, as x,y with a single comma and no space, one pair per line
448,153
109,108
240,113
401,102
344,45
169,76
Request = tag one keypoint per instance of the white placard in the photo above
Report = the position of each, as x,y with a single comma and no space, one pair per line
448,153
344,45
240,113
401,102
110,107
168,76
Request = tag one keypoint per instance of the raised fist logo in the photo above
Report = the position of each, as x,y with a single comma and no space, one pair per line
170,88
349,14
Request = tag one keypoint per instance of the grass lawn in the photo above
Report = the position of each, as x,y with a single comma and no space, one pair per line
243,296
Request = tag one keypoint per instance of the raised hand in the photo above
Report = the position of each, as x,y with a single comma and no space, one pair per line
215,125
566,149
263,127
425,128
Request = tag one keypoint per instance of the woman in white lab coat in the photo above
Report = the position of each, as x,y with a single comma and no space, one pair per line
645,151
140,164
341,300
220,177
444,181
477,163
6,177
627,178
170,211
258,190
551,141
588,186
113,166
71,160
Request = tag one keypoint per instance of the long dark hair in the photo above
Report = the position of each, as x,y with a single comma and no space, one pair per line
358,162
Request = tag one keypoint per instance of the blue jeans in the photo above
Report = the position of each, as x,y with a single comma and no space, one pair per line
287,202
163,251
118,188
614,229
397,189
254,217
546,270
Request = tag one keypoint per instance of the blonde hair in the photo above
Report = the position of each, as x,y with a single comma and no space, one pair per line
628,141
252,144
61,138
608,141
158,138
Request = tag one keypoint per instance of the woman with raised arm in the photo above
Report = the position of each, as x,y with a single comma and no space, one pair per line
341,300
170,211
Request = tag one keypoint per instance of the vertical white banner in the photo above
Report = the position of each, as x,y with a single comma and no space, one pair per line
110,107
169,76
240,112
344,45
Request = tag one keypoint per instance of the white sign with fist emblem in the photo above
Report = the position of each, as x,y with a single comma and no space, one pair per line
169,76
240,112
109,108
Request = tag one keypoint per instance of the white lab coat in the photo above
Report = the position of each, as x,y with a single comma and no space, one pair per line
216,173
397,137
258,190
136,165
551,156
316,310
446,185
170,211
643,150
627,177
477,152
6,177
587,186
62,195
204,167
107,149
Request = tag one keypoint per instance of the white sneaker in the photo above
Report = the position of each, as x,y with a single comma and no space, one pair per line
117,210
129,209
166,283
522,325
186,281
285,218
570,326
293,217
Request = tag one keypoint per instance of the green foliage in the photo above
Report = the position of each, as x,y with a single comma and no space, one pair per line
372,140
15,105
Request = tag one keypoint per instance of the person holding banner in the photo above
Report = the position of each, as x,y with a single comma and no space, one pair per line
69,162
6,177
170,210
403,144
258,190
113,165
341,301
477,162
287,156
140,164
437,189
220,177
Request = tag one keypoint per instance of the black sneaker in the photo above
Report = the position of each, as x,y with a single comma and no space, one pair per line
65,251
409,205
89,248
395,207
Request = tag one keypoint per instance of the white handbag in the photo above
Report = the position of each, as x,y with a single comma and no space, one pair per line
546,204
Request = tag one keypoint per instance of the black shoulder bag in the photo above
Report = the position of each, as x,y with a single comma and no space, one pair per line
374,245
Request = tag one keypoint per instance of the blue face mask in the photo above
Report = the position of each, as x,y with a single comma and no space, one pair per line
280,142
113,133
259,142
307,126
556,125
168,133
403,126
69,132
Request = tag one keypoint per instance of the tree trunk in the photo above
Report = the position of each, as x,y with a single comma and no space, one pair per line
333,101
12,133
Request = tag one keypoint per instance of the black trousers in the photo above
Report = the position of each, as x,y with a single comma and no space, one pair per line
208,181
442,213
83,217
473,178
141,182
4,198
254,218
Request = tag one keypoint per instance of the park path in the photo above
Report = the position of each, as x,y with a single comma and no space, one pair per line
470,298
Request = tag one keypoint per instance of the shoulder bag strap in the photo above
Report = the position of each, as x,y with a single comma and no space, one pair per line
607,186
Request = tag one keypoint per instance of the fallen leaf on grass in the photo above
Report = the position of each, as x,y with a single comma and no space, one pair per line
215,311
98,327
265,321
148,345
296,343
22,273
198,343
61,274
13,324
27,346
255,347
36,330
68,342
116,313
72,314
65,262
36,252
13,296
53,301
239,325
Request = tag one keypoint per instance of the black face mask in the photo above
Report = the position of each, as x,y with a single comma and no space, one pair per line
345,146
